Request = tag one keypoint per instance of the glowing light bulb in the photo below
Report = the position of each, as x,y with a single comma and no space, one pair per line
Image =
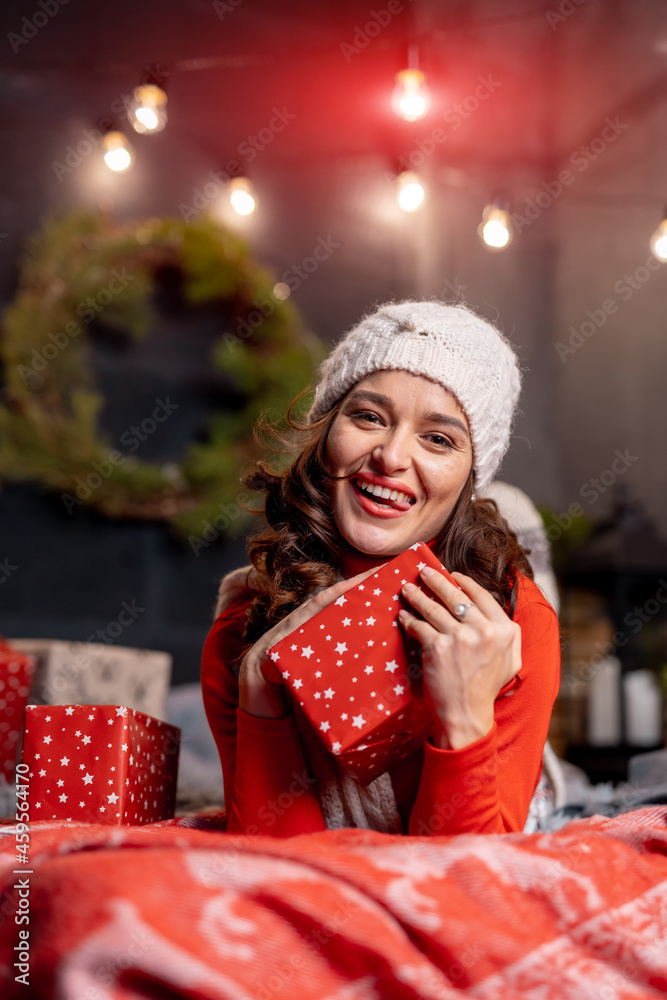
410,99
658,242
411,191
117,155
148,110
496,228
242,196
147,118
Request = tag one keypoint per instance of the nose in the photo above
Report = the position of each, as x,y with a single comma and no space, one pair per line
393,454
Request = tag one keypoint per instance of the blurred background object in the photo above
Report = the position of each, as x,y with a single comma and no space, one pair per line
614,618
524,519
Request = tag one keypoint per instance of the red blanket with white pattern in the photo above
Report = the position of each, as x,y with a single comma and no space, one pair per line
171,911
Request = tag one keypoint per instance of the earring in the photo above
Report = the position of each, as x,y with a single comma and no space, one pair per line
473,497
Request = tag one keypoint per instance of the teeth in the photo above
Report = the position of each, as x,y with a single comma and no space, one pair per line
382,491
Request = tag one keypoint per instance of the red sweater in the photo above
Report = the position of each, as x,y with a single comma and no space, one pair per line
485,787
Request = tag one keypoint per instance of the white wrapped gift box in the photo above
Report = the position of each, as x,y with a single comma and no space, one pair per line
94,673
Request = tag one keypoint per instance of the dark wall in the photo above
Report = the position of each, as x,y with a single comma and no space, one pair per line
66,577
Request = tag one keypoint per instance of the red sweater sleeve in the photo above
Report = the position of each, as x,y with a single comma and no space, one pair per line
268,788
487,786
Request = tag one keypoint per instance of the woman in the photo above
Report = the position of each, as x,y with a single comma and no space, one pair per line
411,418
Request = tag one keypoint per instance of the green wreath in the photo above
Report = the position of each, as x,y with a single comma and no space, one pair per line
48,418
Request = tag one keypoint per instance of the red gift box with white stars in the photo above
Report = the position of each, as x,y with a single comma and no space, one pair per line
16,670
99,764
355,673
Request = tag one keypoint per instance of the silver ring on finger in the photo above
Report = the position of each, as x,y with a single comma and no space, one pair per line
461,610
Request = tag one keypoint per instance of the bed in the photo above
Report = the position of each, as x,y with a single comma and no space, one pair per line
182,909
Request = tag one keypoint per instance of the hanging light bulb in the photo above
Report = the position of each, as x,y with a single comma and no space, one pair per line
496,227
410,191
658,242
148,110
117,151
242,196
410,99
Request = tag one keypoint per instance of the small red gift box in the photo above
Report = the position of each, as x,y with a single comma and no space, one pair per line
16,671
356,674
100,764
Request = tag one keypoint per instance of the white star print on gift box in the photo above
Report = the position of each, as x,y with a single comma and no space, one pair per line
109,777
375,659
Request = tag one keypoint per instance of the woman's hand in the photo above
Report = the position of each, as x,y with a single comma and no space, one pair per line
260,683
465,662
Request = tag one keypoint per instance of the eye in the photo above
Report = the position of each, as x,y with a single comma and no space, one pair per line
367,416
440,440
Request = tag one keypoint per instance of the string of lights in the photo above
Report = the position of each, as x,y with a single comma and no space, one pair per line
410,101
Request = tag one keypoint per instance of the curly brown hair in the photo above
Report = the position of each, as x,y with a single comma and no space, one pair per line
299,551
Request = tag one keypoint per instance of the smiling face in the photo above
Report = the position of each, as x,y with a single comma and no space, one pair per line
407,441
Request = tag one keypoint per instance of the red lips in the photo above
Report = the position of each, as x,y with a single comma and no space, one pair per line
390,484
383,508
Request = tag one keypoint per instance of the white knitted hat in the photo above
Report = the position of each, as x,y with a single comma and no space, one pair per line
448,344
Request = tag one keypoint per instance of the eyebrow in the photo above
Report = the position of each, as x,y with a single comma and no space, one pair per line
360,395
